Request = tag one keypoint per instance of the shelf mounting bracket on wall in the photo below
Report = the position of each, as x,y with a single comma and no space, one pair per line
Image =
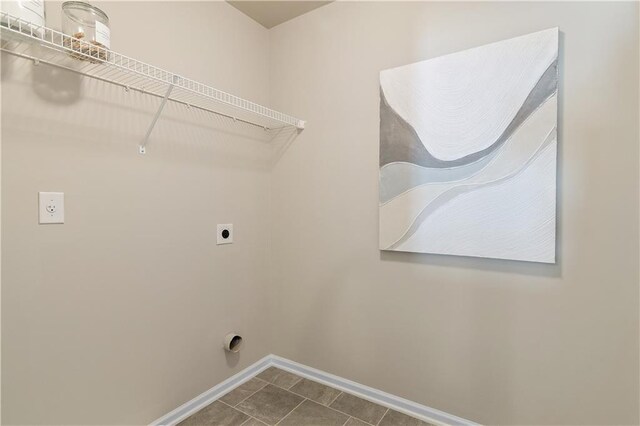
142,149
47,46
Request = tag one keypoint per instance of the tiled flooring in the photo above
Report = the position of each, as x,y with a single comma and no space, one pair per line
277,397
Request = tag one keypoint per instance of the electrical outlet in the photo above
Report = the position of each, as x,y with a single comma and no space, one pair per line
225,233
51,207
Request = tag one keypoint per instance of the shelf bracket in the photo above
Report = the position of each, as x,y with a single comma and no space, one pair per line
142,149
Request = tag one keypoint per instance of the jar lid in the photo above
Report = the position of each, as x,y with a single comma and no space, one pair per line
81,5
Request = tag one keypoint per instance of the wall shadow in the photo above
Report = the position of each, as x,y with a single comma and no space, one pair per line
55,85
479,263
232,358
187,134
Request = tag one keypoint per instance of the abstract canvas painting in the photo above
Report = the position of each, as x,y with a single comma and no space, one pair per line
468,152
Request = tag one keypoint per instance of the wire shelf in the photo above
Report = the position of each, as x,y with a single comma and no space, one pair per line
42,44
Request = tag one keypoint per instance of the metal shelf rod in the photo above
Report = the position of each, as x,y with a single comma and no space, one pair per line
55,48
146,92
143,146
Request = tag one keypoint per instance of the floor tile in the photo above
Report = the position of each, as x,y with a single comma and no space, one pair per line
218,414
359,408
354,422
253,422
315,391
394,418
243,391
312,413
270,404
278,377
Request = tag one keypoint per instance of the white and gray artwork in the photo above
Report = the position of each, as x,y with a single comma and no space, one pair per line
468,152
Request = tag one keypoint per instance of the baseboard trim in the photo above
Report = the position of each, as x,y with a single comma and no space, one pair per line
207,397
388,400
402,405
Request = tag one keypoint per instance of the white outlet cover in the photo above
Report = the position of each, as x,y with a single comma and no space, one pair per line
221,234
51,207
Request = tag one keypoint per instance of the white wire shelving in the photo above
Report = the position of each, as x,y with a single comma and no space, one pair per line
45,45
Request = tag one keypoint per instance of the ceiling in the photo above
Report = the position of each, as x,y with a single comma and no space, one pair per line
272,13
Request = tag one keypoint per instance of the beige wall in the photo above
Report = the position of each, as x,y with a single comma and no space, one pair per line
493,341
118,316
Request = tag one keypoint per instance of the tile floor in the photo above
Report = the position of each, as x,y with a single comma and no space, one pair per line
277,397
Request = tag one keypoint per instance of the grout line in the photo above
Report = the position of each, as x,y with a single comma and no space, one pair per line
303,400
284,371
266,383
334,399
262,387
217,400
334,409
294,408
345,422
278,386
240,409
385,413
258,379
246,414
316,401
297,381
331,408
254,418
235,409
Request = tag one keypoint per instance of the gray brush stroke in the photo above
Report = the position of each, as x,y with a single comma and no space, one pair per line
455,192
399,142
398,178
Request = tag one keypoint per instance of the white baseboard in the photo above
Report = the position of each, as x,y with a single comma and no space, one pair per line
388,400
207,397
402,405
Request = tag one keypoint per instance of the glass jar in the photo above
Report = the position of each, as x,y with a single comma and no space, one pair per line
90,26
31,11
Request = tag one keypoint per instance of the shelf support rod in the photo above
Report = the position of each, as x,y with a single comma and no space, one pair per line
142,149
